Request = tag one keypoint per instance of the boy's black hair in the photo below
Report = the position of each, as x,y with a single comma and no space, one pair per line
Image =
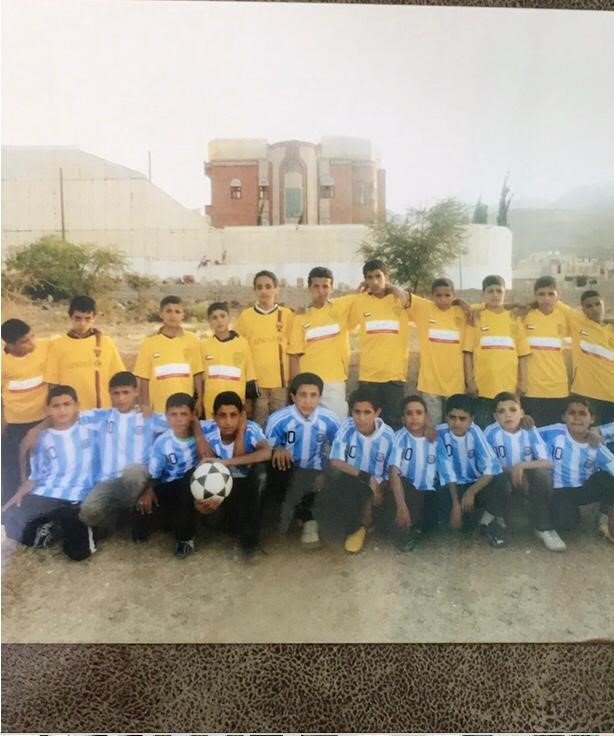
14,329
214,306
227,398
170,299
123,378
464,402
505,396
319,272
306,379
81,304
545,282
411,399
268,274
588,294
364,394
375,264
61,390
576,399
492,279
442,281
180,399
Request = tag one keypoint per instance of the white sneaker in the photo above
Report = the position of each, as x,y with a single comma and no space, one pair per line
309,535
551,540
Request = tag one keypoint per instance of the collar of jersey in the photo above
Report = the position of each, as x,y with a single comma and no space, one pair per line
230,337
90,333
260,310
302,418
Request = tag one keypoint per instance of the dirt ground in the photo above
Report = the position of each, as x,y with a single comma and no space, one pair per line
451,588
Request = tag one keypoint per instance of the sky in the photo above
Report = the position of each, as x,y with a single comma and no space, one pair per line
451,98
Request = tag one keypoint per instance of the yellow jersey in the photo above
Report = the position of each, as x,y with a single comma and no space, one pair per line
87,364
24,391
227,367
268,336
496,340
441,333
320,337
169,364
546,371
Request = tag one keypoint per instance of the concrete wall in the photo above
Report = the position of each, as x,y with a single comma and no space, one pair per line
489,250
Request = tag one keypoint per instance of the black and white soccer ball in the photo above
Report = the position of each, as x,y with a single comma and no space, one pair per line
211,480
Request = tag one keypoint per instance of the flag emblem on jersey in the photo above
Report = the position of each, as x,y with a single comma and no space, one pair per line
430,459
470,453
380,457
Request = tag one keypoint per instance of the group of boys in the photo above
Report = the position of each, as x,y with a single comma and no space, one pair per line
116,442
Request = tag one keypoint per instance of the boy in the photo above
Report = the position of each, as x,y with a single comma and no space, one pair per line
524,458
319,342
496,351
360,455
412,470
169,362
441,330
581,474
239,444
63,468
24,395
301,435
173,459
84,358
226,358
266,326
547,382
467,466
593,354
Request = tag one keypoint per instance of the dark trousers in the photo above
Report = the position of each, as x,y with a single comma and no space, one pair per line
539,493
295,489
174,512
484,409
565,501
422,507
22,522
240,513
390,397
603,410
11,438
544,411
343,501
491,498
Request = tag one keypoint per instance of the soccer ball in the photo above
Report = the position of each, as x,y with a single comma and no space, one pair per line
211,480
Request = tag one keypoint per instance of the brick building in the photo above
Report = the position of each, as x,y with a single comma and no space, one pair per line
335,182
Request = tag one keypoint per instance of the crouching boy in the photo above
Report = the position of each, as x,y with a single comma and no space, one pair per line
359,455
469,469
63,468
524,458
301,436
239,444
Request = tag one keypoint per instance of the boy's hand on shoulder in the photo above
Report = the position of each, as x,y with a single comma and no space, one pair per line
147,501
242,422
594,438
468,311
527,422
146,410
203,448
281,458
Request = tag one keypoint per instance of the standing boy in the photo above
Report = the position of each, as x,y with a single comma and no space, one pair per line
467,466
301,436
63,467
84,358
266,326
227,360
24,395
360,456
524,458
582,474
169,362
319,342
496,351
547,382
241,445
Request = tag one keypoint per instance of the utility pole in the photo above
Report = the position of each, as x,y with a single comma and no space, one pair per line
62,205
149,165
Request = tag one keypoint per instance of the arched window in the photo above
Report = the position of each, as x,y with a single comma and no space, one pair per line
235,189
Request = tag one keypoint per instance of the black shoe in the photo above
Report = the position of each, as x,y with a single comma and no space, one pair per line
46,536
183,549
140,534
409,540
494,533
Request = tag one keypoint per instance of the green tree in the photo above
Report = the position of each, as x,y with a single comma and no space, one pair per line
505,199
59,269
416,249
480,213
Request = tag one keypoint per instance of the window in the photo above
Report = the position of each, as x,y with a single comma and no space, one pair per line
263,189
327,187
235,189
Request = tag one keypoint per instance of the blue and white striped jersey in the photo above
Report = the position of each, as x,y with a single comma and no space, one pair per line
64,463
416,459
172,457
370,454
512,448
308,438
253,435
607,432
464,459
574,462
124,438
